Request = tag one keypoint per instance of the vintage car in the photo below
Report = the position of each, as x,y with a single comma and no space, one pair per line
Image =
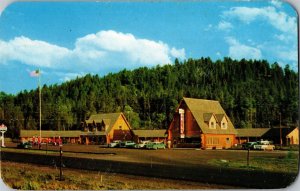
249,145
127,144
114,144
155,145
142,144
24,145
264,145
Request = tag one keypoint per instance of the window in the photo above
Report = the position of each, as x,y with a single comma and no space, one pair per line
224,125
227,140
212,125
212,141
120,127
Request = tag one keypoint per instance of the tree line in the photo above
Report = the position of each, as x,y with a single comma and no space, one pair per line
253,93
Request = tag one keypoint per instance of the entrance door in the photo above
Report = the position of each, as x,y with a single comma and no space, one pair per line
228,142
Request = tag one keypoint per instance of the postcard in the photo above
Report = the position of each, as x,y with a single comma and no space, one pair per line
149,95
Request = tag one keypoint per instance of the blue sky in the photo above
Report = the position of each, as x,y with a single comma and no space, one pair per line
72,39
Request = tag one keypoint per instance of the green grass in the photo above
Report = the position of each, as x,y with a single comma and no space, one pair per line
289,163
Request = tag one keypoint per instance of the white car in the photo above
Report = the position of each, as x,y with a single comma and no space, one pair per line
264,145
114,144
142,144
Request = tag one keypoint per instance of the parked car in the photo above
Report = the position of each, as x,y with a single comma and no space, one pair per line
249,145
155,145
24,145
264,145
114,144
127,144
142,144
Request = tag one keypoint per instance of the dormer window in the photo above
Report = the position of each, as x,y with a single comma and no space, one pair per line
224,125
212,125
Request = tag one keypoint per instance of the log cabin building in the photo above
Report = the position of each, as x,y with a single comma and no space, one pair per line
292,138
51,136
107,127
98,129
250,134
155,135
288,135
201,123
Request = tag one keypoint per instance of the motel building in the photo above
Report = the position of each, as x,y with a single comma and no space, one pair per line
202,124
98,129
105,128
154,135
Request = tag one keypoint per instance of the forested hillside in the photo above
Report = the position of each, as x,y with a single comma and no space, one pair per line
253,93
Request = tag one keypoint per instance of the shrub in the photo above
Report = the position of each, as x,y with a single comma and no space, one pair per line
31,185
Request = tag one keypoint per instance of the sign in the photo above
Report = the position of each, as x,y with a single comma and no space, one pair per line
181,113
3,127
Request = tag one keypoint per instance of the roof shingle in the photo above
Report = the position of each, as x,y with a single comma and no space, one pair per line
200,108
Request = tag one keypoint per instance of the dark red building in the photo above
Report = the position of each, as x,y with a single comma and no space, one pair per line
201,123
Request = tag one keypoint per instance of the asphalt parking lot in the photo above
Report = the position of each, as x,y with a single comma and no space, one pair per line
163,156
184,164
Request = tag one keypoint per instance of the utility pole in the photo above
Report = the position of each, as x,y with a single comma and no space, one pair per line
40,108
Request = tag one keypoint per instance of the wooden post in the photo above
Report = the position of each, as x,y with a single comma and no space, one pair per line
248,157
60,169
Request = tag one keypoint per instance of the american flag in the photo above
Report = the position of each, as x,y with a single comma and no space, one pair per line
35,73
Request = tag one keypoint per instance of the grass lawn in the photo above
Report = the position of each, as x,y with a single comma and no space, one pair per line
288,163
37,177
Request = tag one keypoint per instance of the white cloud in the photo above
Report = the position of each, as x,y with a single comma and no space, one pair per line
178,53
32,52
278,19
285,48
240,51
104,50
224,25
276,3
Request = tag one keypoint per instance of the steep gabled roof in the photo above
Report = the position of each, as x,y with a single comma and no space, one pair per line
108,119
207,116
274,133
220,117
150,133
201,107
296,129
252,132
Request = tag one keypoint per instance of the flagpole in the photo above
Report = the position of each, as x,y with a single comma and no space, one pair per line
40,104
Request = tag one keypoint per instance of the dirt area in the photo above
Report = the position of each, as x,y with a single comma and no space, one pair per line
36,177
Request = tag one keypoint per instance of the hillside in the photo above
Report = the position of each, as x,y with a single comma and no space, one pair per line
253,93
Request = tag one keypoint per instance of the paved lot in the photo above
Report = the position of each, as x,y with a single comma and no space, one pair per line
184,164
164,156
